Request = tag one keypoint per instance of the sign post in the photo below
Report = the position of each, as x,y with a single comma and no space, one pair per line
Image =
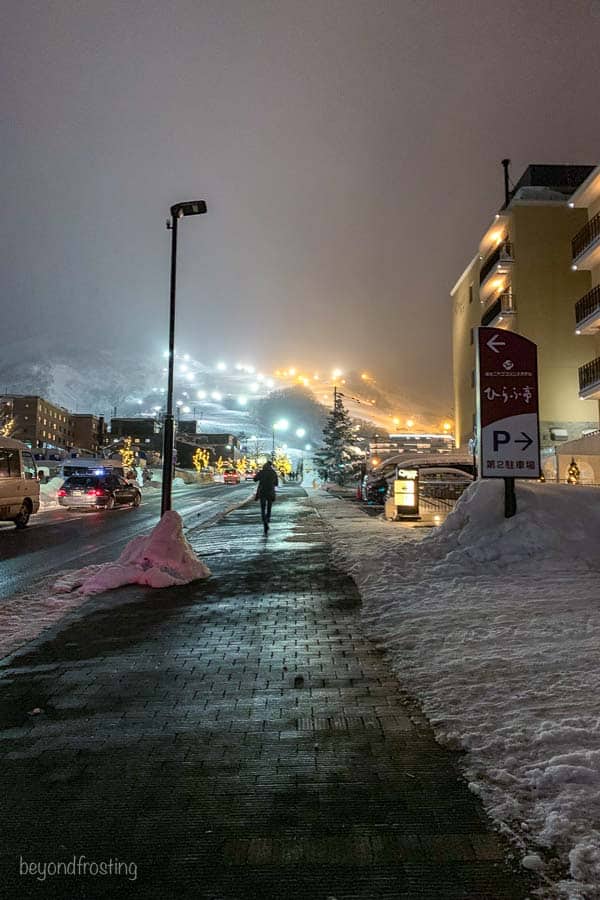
507,409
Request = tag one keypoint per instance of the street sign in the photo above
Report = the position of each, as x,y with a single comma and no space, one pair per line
507,405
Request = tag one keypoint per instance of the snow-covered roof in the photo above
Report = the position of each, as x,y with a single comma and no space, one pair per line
10,444
588,445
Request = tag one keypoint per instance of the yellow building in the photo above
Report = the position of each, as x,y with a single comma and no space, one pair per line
585,252
521,278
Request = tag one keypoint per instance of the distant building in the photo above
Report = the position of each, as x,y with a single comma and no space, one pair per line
187,426
381,447
521,279
144,431
226,446
89,431
36,421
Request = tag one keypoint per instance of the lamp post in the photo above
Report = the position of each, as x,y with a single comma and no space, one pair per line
178,211
281,425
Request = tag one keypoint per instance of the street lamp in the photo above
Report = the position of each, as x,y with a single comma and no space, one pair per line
300,432
281,425
178,211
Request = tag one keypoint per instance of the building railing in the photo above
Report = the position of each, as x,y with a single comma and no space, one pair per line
586,236
588,304
502,252
589,374
503,305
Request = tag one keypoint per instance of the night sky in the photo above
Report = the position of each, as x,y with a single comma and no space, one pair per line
349,153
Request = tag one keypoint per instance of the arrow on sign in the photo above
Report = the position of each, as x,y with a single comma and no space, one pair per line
494,343
527,442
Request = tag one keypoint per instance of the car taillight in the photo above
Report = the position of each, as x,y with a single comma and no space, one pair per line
96,492
61,493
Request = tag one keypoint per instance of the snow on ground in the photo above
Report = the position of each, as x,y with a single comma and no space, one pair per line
26,615
160,559
494,625
48,493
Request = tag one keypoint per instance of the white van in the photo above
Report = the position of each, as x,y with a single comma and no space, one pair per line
19,487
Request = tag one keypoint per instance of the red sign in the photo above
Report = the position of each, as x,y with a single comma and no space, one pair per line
507,405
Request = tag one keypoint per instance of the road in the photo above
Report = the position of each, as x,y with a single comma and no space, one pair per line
60,539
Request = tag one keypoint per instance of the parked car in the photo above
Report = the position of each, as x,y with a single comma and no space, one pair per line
19,486
98,492
249,476
231,476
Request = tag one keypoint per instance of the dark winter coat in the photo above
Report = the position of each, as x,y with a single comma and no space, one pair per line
267,482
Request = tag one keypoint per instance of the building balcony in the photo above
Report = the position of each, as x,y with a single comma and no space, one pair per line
587,312
589,380
495,269
586,245
501,309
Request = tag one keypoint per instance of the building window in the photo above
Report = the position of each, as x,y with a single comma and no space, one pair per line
471,293
472,334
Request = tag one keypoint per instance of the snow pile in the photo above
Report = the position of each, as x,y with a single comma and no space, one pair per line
494,626
48,492
160,559
555,522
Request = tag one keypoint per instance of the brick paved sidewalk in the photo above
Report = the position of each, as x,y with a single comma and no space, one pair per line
237,738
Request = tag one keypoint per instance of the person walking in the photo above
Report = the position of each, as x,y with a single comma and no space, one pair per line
267,482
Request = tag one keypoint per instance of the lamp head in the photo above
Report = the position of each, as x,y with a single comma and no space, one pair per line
189,208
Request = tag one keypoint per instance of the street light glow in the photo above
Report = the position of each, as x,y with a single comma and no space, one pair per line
336,373
201,395
217,395
300,432
308,446
242,400
222,367
281,425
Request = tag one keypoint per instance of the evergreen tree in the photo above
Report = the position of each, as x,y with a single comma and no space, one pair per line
573,473
337,458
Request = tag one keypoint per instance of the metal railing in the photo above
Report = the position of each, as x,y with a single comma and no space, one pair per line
445,492
503,305
589,374
588,304
586,236
503,252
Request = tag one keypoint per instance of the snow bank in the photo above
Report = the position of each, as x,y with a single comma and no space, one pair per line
160,559
48,492
554,522
494,625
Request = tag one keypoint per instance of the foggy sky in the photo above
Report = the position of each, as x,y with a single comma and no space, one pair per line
348,151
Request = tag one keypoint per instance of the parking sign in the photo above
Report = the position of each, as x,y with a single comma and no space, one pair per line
507,405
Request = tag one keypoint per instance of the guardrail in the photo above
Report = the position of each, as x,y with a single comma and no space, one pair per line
502,252
588,304
586,236
589,374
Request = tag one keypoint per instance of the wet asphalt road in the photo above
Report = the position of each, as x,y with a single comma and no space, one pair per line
60,539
